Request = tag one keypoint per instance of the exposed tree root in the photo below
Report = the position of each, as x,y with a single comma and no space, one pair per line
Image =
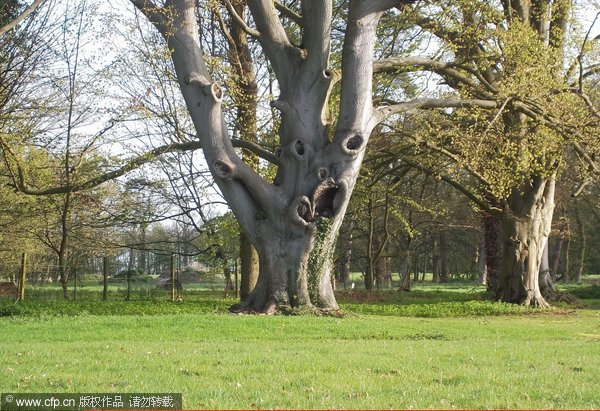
272,308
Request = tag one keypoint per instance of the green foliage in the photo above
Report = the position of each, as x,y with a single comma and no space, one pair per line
439,310
64,308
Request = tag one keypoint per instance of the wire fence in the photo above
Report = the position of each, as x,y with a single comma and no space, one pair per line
159,277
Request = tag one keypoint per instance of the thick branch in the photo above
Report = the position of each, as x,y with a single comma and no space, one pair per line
289,13
442,68
256,149
356,100
458,186
454,157
21,16
317,32
284,57
153,13
134,163
239,20
427,103
564,131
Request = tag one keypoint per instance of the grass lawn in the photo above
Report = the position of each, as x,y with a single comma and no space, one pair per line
377,356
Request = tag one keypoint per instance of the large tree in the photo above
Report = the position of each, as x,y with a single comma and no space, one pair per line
520,104
292,221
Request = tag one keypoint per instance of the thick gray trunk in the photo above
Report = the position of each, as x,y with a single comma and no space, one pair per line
249,266
526,226
295,270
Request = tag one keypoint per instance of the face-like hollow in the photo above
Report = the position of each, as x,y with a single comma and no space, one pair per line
323,198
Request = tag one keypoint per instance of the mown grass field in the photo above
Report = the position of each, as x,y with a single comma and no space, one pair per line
436,347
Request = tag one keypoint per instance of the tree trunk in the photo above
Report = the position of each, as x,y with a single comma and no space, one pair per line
526,223
546,283
346,255
249,266
582,244
444,275
64,243
481,263
294,270
383,273
294,220
435,259
370,271
405,270
246,101
556,256
492,236
567,263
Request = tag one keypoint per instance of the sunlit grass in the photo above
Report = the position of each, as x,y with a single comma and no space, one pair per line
226,361
435,347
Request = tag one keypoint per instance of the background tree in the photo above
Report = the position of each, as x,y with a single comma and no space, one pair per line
510,110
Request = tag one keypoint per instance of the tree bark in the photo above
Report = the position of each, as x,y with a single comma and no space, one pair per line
435,259
526,223
481,263
444,275
63,247
246,101
383,274
582,244
249,266
492,232
546,282
556,256
346,255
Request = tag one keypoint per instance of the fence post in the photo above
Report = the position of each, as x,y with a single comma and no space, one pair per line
21,295
105,275
173,288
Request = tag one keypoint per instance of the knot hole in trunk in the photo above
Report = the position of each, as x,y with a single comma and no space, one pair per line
353,144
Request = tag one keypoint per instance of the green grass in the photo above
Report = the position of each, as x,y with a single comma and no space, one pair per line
431,348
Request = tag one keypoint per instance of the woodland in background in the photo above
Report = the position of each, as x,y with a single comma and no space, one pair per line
100,158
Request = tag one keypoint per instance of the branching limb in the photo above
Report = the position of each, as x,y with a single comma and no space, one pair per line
477,200
441,150
581,53
546,120
13,23
383,5
317,31
444,69
356,100
284,57
154,14
289,13
20,183
256,149
240,21
426,103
